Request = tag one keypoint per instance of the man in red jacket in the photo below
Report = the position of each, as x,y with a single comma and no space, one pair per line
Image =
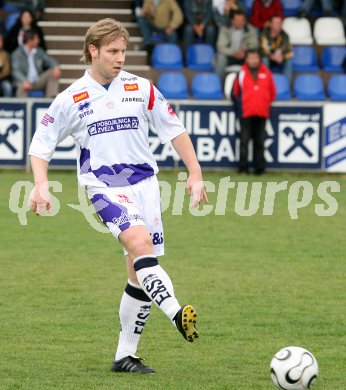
262,10
253,92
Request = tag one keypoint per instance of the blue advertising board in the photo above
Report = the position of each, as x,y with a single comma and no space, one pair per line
13,130
334,151
294,136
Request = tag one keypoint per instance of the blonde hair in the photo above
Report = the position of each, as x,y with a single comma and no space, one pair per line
102,33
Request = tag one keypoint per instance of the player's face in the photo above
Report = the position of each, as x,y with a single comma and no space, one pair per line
108,60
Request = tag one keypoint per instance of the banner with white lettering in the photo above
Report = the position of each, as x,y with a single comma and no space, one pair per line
334,151
13,122
293,137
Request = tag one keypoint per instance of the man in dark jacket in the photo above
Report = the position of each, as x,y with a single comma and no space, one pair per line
33,68
275,47
253,92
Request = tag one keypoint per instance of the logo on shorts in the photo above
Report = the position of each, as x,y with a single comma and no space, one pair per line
126,218
131,87
122,198
80,96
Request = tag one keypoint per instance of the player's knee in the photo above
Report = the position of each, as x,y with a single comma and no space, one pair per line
137,243
141,246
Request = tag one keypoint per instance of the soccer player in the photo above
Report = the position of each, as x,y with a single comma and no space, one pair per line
108,112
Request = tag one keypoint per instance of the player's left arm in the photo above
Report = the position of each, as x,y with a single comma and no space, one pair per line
195,186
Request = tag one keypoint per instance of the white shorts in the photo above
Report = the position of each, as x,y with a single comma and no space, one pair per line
122,207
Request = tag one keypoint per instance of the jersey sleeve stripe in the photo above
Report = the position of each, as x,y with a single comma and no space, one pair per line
151,97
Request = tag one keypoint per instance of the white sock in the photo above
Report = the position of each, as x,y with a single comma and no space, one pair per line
134,311
156,284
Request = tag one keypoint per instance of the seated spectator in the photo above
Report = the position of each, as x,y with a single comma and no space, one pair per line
36,7
15,36
33,68
5,71
262,10
199,22
162,18
222,9
307,6
233,41
137,8
275,47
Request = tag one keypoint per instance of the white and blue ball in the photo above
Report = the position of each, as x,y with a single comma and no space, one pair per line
294,368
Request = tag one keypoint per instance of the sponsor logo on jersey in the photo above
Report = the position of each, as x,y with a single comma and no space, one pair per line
131,87
47,119
80,96
129,78
170,110
110,105
114,124
138,100
84,108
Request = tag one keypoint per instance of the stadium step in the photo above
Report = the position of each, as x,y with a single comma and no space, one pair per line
86,14
113,4
69,42
78,28
63,56
66,22
74,71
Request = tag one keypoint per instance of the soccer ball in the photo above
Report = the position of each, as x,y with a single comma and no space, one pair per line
294,368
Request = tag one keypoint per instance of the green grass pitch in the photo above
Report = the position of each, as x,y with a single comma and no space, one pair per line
259,283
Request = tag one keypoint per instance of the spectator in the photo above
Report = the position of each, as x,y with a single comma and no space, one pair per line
5,71
199,22
275,47
160,17
307,6
233,41
262,10
137,8
253,96
33,68
36,7
222,9
15,36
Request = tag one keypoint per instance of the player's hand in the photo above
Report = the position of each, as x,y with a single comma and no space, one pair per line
196,189
39,199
